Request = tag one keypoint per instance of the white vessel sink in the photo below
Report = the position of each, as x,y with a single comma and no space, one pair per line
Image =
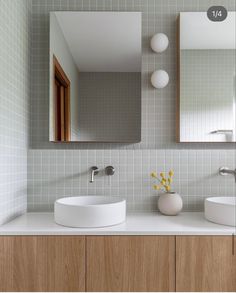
221,210
89,211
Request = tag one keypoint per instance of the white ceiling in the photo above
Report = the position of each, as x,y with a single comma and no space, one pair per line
198,32
103,41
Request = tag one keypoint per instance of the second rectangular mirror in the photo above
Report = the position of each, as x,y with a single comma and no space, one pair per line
95,76
207,55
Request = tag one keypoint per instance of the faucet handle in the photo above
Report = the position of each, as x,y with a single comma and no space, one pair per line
109,170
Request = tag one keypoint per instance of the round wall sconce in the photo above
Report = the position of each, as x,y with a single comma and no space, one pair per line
159,43
160,79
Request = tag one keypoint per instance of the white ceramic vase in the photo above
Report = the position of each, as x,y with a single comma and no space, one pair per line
170,203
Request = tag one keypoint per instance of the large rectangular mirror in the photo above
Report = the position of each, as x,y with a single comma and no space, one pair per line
95,76
207,55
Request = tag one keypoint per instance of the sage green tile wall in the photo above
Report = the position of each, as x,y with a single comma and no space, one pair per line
14,105
57,170
158,106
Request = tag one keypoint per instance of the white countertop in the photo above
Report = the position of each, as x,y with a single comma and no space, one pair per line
189,223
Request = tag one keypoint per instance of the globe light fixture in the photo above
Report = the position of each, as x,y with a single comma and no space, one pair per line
160,79
159,43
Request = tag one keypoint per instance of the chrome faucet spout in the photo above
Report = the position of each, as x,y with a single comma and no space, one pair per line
94,171
226,171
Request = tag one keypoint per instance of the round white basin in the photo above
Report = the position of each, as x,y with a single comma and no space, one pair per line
89,211
221,210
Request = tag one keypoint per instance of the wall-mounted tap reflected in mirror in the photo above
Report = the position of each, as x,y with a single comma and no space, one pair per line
95,76
225,171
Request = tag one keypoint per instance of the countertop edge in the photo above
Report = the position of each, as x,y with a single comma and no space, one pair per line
38,233
186,224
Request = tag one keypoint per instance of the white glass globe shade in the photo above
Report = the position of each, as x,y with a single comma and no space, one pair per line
160,79
159,43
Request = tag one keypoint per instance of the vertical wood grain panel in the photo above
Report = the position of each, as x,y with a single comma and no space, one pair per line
6,263
42,263
130,263
205,263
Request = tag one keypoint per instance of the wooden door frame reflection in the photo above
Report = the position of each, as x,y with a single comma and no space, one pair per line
62,129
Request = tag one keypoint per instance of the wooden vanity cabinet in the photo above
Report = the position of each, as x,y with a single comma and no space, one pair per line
118,263
206,263
87,263
42,263
130,263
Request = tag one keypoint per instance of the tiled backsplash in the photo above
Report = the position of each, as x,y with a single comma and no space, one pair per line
57,173
56,170
14,106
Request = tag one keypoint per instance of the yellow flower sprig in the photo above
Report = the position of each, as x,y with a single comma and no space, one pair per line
164,183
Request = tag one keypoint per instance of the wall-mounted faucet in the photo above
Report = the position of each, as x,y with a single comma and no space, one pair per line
109,171
94,171
224,171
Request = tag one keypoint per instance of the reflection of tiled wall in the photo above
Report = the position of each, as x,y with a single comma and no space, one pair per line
109,106
158,121
207,94
14,106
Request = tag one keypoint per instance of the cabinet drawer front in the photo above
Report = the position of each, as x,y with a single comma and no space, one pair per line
130,263
205,263
42,263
